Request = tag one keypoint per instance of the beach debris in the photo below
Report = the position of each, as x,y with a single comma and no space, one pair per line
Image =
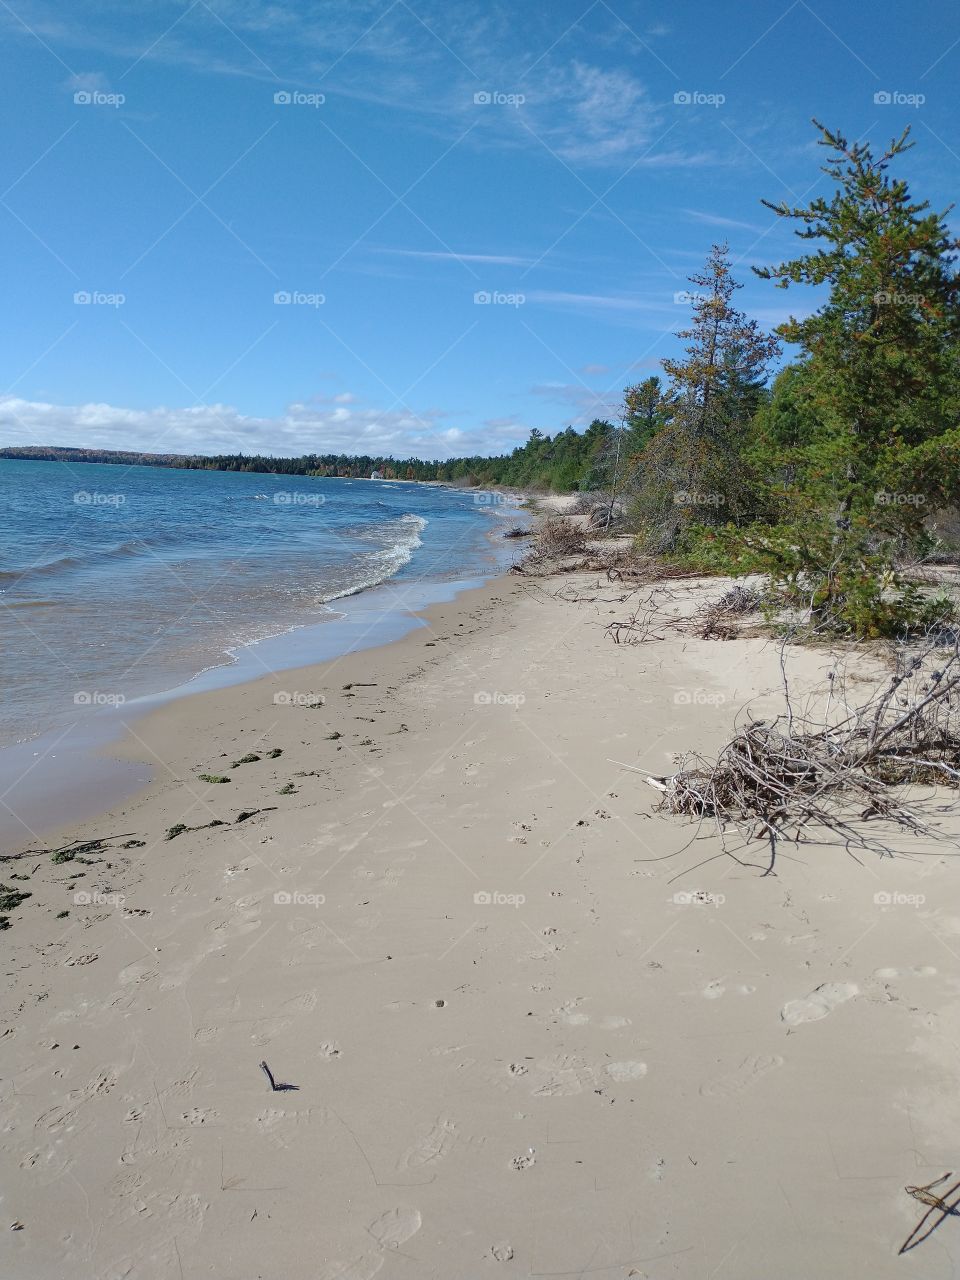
332,737
276,1085
943,1204
244,814
250,758
288,789
10,899
213,777
834,765
177,829
518,533
274,753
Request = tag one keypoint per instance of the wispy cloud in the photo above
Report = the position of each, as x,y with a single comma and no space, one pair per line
506,259
715,220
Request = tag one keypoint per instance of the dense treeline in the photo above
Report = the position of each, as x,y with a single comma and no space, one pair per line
832,480
567,461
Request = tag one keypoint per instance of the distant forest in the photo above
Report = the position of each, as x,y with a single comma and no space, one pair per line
564,462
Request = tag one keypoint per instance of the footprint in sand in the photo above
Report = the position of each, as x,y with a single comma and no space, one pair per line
306,1002
432,1146
362,1268
819,1003
395,1227
749,1071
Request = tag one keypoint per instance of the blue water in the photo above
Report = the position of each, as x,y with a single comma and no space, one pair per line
119,582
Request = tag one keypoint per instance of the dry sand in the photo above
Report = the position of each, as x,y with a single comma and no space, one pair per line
515,1045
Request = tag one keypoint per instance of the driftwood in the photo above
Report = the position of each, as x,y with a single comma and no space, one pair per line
837,768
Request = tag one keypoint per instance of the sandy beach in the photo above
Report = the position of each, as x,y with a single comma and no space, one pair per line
521,1024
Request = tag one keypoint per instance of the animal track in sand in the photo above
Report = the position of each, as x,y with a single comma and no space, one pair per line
434,1145
329,1049
823,1000
525,1161
198,1115
749,1071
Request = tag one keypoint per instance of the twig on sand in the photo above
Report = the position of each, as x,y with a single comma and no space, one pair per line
938,1204
276,1086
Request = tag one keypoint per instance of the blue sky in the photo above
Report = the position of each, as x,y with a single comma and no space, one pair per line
175,163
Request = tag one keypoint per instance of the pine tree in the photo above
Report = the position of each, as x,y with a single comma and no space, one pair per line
862,440
691,472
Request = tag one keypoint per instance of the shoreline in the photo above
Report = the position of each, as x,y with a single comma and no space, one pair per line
54,775
516,1040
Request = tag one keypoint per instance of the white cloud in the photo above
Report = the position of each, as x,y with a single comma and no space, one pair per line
334,425
505,259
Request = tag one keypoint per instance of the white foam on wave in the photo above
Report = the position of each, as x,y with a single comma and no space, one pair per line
377,566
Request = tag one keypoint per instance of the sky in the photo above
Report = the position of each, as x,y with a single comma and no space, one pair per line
411,228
